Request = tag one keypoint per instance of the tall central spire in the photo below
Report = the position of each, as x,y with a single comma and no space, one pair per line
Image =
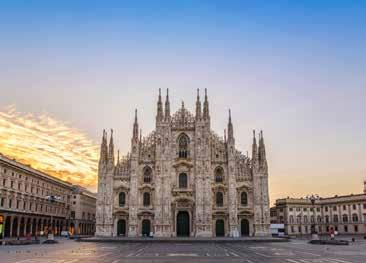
206,111
167,106
230,129
111,149
198,105
135,135
159,114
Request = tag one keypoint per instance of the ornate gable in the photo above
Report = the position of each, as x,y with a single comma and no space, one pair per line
183,119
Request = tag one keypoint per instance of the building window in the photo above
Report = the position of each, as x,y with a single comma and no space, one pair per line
72,214
122,199
291,219
219,199
183,144
298,209
326,209
305,209
183,180
312,219
354,207
2,202
10,203
299,228
18,202
146,200
244,199
305,219
318,209
298,219
326,219
345,218
364,206
11,184
356,228
344,207
4,182
354,218
346,229
219,175
147,175
306,229
319,219
335,218
292,229
291,209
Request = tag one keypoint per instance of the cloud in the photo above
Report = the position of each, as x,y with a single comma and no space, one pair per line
49,145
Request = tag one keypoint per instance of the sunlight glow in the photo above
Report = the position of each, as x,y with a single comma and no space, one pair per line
50,146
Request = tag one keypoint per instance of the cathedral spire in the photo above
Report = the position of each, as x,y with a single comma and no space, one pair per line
262,150
159,114
230,129
225,135
135,128
167,106
111,148
104,148
254,147
198,106
206,111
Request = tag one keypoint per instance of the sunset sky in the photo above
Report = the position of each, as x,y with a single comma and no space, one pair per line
69,69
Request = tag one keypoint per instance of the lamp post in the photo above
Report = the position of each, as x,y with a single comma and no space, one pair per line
52,199
313,198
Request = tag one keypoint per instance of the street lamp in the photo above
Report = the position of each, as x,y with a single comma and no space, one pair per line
52,199
313,198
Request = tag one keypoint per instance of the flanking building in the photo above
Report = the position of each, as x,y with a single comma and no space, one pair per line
345,214
25,203
82,213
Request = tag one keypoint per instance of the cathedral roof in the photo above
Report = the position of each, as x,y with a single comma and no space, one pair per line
183,119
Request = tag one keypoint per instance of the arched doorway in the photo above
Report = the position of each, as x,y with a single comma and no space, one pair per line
72,229
15,227
7,227
183,224
145,227
22,226
244,225
220,228
121,227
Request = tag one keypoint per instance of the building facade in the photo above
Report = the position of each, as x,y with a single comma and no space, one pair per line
25,206
82,215
344,214
183,180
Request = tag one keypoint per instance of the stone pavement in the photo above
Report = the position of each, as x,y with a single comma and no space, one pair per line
296,251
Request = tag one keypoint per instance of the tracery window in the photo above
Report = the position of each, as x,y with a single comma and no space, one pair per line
183,144
244,199
147,175
219,175
183,180
219,199
146,197
122,199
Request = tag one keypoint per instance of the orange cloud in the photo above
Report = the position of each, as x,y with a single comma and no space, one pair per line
49,145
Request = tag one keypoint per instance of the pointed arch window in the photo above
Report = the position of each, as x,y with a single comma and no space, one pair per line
122,199
183,144
147,175
219,175
219,199
244,199
183,180
146,199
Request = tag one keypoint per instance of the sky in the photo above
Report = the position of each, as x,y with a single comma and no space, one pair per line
295,69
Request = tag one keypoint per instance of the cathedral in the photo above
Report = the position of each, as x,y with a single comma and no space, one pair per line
183,180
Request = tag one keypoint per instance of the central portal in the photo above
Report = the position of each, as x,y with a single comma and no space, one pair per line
183,224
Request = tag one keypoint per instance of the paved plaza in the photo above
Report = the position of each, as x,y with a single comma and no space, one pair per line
68,251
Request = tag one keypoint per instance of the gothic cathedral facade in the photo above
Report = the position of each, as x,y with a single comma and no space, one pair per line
183,180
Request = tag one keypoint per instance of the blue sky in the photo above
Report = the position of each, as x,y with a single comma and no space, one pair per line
295,69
